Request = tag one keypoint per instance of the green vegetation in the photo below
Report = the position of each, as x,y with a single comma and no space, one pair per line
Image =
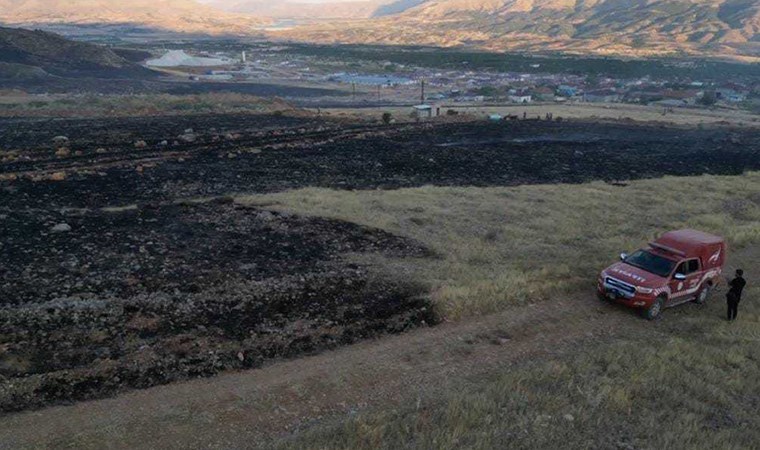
505,246
708,99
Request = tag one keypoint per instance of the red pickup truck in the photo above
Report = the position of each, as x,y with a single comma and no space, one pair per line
678,267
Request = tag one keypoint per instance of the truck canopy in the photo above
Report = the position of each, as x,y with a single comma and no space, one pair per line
691,244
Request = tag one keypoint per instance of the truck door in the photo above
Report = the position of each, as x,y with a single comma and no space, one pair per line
684,289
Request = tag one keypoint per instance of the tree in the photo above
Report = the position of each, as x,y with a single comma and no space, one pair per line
708,99
387,117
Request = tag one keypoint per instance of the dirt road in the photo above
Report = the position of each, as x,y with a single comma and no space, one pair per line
246,409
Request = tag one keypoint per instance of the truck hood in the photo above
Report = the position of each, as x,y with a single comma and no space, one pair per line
634,275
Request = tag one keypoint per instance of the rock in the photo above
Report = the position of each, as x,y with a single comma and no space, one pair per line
163,143
141,144
61,228
78,153
100,151
187,137
232,155
62,152
241,356
57,176
189,131
568,417
60,140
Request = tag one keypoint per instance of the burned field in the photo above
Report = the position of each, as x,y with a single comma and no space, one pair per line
113,277
145,296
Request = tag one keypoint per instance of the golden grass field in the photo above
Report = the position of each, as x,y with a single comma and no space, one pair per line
505,246
690,116
136,105
690,383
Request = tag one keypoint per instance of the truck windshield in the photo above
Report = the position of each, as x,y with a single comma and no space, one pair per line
651,263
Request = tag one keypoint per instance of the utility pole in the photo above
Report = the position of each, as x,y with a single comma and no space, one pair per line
422,92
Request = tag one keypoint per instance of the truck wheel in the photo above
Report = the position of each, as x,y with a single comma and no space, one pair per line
655,309
704,294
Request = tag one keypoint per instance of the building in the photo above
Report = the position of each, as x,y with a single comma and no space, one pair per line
567,91
543,93
730,95
423,111
602,96
520,97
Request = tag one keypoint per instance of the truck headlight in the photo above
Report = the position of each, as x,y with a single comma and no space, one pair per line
644,290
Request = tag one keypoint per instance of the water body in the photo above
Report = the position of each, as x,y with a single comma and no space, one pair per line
373,80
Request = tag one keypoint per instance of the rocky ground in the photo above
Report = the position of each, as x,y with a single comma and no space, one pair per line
112,278
96,301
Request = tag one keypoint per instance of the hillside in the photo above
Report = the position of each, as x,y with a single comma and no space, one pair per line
309,10
640,28
172,15
26,54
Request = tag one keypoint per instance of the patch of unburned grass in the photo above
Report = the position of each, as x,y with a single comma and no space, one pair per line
690,384
142,105
504,246
670,392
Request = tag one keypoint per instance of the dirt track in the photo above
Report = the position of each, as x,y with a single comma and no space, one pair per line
154,292
249,408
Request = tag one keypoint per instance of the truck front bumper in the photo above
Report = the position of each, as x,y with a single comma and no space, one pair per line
637,300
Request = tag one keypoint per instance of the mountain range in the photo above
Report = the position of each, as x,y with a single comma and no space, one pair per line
310,10
605,27
186,16
632,27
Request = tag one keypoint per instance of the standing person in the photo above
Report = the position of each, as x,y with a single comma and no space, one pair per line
734,295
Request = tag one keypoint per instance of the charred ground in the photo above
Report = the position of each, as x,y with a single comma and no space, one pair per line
113,278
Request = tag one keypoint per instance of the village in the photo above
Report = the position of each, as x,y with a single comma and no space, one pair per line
370,82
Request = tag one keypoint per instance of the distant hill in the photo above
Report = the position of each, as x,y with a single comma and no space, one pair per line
186,16
26,54
633,27
311,10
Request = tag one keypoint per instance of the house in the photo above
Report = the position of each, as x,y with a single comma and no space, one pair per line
683,97
544,93
730,95
602,96
422,111
567,91
520,97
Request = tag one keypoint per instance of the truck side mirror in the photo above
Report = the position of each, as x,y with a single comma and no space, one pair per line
623,256
679,276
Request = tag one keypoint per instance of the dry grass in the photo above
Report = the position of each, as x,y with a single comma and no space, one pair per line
673,390
687,382
140,105
510,245
692,116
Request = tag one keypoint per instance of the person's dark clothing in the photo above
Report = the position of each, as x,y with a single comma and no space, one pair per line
734,296
737,286
733,305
